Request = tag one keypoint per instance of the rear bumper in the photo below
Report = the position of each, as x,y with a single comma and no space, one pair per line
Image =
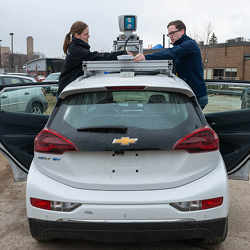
128,232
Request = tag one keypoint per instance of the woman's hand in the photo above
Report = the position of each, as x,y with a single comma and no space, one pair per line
139,57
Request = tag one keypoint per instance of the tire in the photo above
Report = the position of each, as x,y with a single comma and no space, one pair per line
36,108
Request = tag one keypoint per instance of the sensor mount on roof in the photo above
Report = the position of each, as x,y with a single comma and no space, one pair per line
128,40
161,66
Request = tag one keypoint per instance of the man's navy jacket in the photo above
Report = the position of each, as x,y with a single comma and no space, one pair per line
188,63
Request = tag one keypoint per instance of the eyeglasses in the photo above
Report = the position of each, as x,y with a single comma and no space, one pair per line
172,33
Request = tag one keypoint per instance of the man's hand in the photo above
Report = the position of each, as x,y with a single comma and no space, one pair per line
139,57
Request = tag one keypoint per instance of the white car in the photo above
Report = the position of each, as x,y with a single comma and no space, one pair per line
130,158
22,75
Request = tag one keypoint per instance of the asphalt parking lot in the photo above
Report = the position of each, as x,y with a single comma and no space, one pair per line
14,231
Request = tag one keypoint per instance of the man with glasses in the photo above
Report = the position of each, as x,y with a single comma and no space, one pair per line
187,59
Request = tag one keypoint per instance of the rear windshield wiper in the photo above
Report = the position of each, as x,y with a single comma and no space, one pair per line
106,129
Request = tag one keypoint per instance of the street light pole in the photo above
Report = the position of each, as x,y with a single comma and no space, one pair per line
163,40
12,55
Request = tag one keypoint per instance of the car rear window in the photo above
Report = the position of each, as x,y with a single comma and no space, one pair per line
53,77
27,80
12,80
149,114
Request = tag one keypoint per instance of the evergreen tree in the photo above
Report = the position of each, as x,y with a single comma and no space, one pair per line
213,39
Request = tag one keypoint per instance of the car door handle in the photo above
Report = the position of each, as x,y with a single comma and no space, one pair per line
4,96
26,93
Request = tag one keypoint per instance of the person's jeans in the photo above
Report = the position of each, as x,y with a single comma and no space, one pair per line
203,101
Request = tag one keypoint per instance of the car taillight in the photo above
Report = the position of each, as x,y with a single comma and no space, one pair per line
54,205
51,142
43,204
201,140
197,204
210,203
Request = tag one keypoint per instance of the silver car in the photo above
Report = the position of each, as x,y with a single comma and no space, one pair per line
21,99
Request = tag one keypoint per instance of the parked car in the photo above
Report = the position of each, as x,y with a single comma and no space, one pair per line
6,79
21,99
22,74
127,159
53,77
40,78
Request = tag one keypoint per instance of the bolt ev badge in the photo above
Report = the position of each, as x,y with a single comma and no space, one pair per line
125,141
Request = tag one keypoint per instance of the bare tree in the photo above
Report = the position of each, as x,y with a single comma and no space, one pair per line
208,34
196,36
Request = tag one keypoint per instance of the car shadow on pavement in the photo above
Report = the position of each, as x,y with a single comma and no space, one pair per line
89,245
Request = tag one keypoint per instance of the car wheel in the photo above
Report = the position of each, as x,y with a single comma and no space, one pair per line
36,108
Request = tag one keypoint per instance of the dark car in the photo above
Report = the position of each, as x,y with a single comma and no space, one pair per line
53,77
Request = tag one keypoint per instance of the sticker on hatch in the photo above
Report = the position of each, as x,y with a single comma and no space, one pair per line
125,141
48,158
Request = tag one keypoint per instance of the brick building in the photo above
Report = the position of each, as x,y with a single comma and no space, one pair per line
5,53
15,62
228,61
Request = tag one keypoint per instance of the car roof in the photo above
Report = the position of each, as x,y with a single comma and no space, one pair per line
55,73
100,81
18,76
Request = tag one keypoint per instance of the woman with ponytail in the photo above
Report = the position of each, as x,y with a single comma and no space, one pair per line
77,49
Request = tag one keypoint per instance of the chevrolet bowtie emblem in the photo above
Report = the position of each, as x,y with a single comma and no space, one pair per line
125,141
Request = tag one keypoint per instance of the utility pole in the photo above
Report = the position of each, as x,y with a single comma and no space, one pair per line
12,55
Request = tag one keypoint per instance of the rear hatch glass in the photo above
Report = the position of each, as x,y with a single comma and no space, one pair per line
96,121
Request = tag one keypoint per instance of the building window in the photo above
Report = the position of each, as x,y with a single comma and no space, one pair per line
218,74
230,74
208,74
225,74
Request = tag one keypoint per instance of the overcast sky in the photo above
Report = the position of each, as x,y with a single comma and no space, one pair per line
48,21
